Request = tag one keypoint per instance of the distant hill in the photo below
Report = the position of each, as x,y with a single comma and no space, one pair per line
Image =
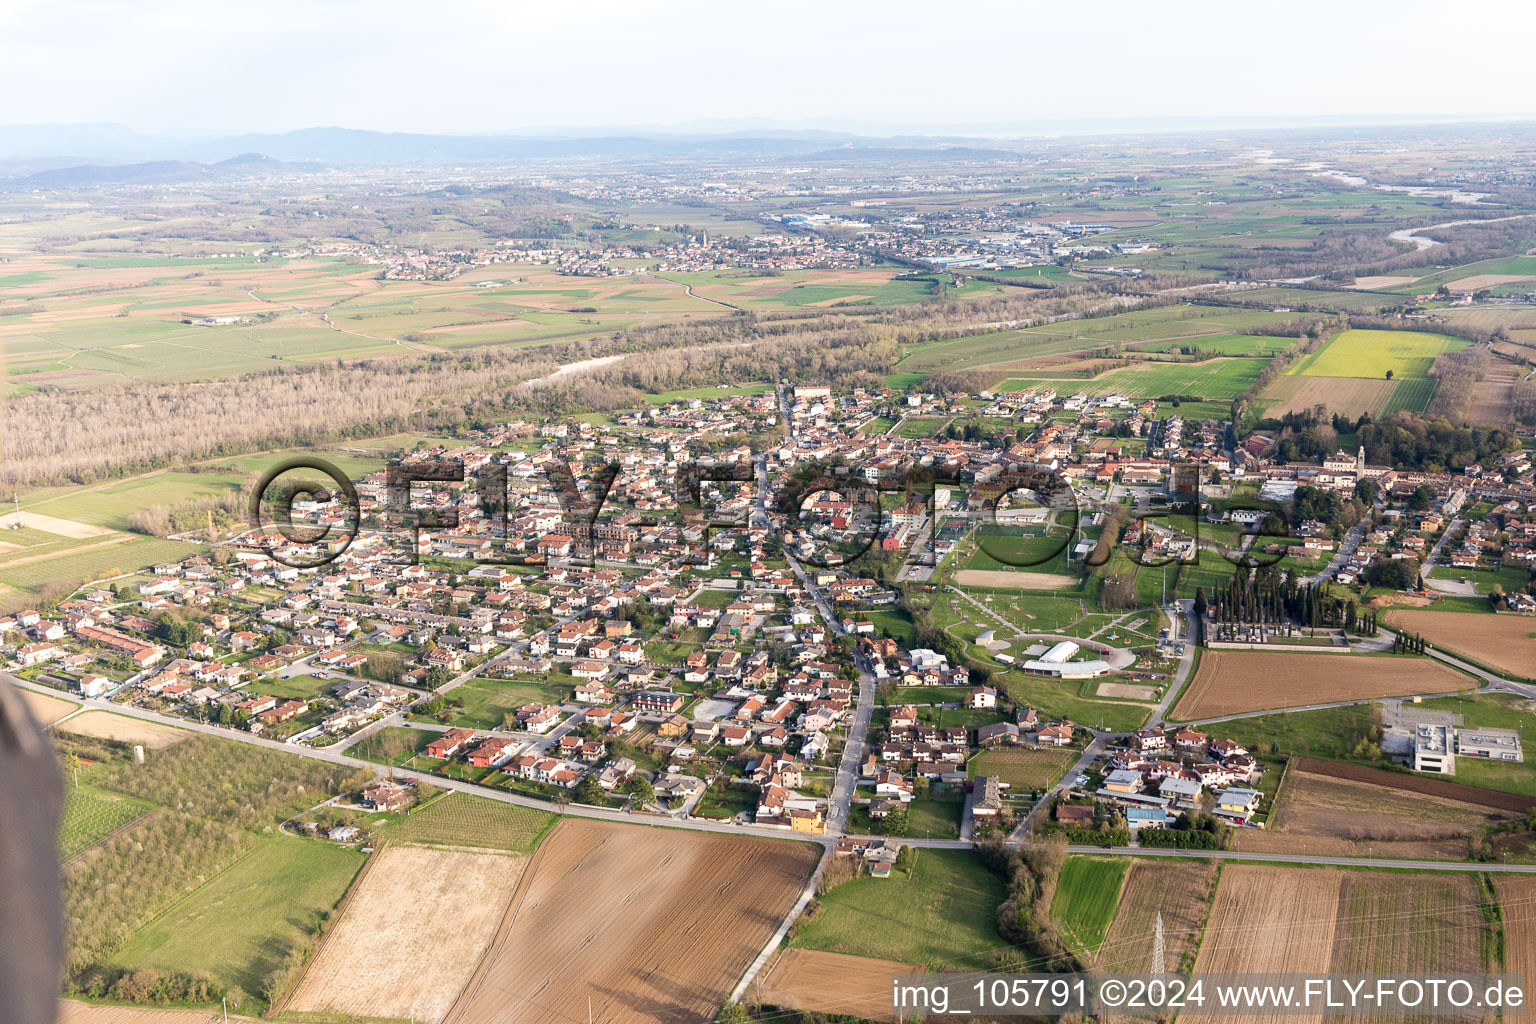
164,172
111,154
849,154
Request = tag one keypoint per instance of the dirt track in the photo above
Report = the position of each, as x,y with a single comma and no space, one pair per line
1007,578
653,925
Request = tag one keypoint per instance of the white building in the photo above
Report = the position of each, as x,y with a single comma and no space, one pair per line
1432,749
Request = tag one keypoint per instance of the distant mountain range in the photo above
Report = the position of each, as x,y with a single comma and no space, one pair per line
94,154
163,172
66,155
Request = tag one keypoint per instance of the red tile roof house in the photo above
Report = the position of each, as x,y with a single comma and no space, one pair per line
492,752
554,545
450,743
540,720
283,711
1054,736
1071,814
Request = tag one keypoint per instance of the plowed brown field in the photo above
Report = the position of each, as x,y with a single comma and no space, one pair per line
1499,641
367,966
654,925
71,1012
1180,893
1345,818
1393,924
1517,908
1229,682
1316,920
1493,397
808,979
1268,919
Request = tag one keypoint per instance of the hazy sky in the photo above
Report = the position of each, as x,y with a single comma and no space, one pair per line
205,66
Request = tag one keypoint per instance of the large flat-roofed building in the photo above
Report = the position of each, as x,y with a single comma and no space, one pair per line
1494,744
1057,662
1432,749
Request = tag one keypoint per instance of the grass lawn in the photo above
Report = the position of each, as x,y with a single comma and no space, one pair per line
239,925
1327,733
894,625
1085,900
1055,698
935,817
723,800
301,687
487,701
393,744
940,913
929,695
1029,613
458,819
1511,577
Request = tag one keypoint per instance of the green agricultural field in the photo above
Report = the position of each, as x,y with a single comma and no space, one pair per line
90,814
113,559
1214,380
1086,896
240,925
1504,266
1411,394
1362,353
1023,769
458,819
1261,345
1158,329
941,912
